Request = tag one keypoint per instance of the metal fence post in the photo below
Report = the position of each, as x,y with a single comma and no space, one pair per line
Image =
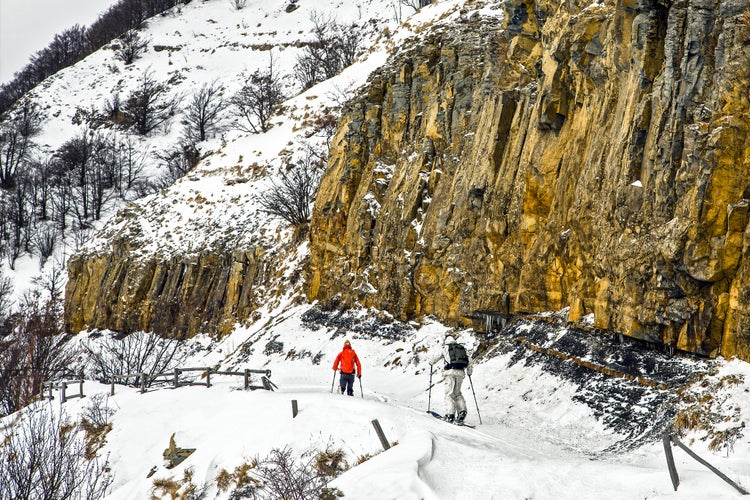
80,388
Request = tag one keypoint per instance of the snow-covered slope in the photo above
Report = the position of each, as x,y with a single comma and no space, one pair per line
537,439
537,446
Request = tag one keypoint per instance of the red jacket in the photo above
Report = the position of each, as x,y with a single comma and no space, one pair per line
347,358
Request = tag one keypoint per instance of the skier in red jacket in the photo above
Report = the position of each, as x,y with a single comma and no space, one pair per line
348,359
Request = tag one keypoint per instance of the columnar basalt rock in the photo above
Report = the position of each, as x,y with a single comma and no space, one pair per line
590,156
177,297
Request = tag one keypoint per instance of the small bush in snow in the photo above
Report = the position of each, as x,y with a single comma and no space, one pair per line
131,46
257,99
332,49
149,105
203,113
44,457
291,195
280,476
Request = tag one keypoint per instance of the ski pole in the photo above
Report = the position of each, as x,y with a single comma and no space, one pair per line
429,396
334,380
360,387
475,398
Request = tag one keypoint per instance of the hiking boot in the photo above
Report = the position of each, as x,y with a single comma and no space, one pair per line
461,417
449,418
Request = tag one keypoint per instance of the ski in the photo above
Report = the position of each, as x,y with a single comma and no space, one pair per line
440,417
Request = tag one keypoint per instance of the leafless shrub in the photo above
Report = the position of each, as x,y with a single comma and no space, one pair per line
17,131
185,489
149,105
332,49
291,196
415,4
280,476
44,242
238,4
137,352
177,161
46,458
98,411
258,98
203,113
131,46
6,289
33,350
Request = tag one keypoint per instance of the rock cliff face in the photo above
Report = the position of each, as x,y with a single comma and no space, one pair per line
178,297
590,156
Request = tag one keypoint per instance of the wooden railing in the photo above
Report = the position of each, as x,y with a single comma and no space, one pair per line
144,380
668,438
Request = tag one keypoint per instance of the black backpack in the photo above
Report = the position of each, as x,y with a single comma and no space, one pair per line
457,357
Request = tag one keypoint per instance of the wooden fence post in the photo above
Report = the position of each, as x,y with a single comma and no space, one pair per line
143,383
80,388
112,387
63,386
176,377
247,378
709,466
381,435
208,377
294,408
666,439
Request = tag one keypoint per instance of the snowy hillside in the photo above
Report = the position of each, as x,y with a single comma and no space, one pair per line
534,440
552,426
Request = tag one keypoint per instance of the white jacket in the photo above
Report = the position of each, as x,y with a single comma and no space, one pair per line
443,358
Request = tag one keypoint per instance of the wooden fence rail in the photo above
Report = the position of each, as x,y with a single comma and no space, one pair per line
143,380
667,439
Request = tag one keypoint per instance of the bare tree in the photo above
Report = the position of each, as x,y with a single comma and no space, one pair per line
131,46
256,101
178,161
333,48
415,4
291,196
6,290
33,350
137,352
203,113
149,106
44,242
16,139
132,162
45,457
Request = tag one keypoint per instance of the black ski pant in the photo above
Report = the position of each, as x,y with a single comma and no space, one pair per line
347,383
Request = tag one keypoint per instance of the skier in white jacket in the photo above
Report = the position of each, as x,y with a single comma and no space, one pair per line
454,371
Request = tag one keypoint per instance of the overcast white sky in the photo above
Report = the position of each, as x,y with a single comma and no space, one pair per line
27,26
